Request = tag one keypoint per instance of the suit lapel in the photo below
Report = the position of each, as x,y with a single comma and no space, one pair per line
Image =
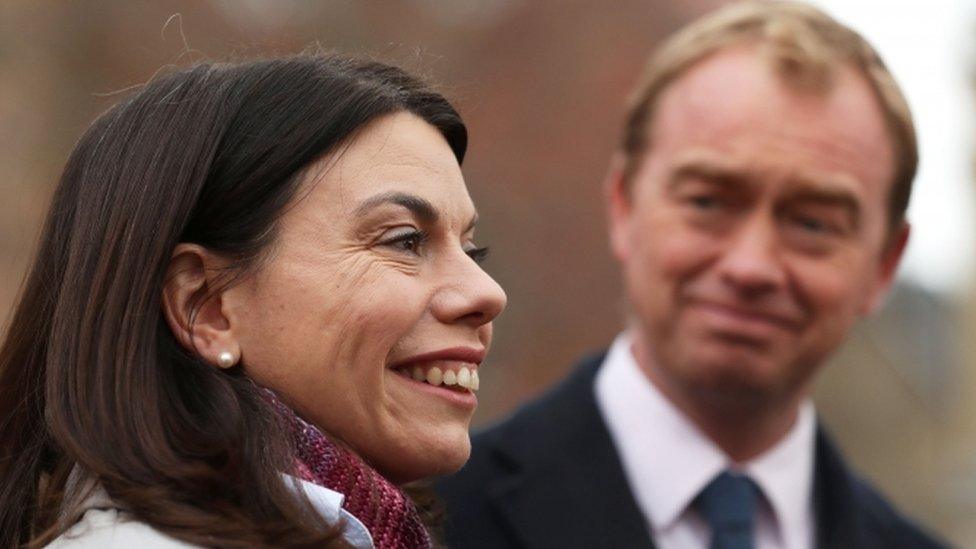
834,499
547,501
550,501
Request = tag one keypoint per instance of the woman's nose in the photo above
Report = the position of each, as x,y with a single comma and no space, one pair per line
470,296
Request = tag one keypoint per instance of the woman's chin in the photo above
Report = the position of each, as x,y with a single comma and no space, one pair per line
431,459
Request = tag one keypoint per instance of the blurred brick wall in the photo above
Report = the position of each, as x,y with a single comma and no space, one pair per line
540,84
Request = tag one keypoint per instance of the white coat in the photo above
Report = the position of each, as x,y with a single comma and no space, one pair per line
106,526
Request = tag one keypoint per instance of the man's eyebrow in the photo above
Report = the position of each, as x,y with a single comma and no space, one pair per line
417,205
698,166
828,193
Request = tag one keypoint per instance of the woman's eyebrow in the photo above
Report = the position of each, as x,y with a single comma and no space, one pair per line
420,207
471,224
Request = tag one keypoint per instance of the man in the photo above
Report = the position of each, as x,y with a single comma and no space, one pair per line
757,210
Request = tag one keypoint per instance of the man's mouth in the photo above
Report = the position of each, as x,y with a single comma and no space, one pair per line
745,317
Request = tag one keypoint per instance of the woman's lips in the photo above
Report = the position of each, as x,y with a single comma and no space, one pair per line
460,375
455,368
458,396
471,355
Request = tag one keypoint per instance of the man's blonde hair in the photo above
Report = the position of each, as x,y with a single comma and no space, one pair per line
804,46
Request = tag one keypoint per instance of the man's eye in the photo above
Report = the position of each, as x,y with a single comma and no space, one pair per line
820,224
704,202
812,224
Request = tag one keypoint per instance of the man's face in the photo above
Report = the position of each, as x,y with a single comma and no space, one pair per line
755,231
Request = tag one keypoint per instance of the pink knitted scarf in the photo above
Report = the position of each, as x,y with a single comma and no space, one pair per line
388,513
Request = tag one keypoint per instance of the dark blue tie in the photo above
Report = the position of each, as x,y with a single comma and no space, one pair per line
728,504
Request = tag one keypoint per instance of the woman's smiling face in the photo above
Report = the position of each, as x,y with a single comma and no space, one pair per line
373,281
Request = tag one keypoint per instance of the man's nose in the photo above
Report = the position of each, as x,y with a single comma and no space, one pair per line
751,264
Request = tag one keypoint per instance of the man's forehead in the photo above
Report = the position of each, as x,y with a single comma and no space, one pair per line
735,99
722,83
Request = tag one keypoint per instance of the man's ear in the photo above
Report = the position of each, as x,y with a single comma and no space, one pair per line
887,267
617,197
193,306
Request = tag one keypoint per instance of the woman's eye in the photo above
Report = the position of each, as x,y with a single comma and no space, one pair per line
409,242
479,255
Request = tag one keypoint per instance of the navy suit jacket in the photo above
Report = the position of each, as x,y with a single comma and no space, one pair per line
550,477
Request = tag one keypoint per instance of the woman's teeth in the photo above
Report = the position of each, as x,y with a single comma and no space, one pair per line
464,377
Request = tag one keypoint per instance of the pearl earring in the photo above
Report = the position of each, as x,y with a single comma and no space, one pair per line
226,359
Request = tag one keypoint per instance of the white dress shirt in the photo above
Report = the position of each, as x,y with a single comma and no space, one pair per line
667,461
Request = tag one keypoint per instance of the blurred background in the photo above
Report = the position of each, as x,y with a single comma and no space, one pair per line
541,85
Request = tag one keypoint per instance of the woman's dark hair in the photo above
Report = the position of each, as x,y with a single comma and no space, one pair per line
92,380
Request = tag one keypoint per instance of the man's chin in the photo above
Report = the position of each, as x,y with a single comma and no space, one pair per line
738,375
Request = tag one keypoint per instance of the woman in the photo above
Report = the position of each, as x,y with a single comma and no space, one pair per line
257,293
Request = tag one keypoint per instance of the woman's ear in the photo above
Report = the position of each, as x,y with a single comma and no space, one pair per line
193,306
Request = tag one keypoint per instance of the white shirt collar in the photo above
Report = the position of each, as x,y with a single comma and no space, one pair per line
668,460
324,500
329,504
784,473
